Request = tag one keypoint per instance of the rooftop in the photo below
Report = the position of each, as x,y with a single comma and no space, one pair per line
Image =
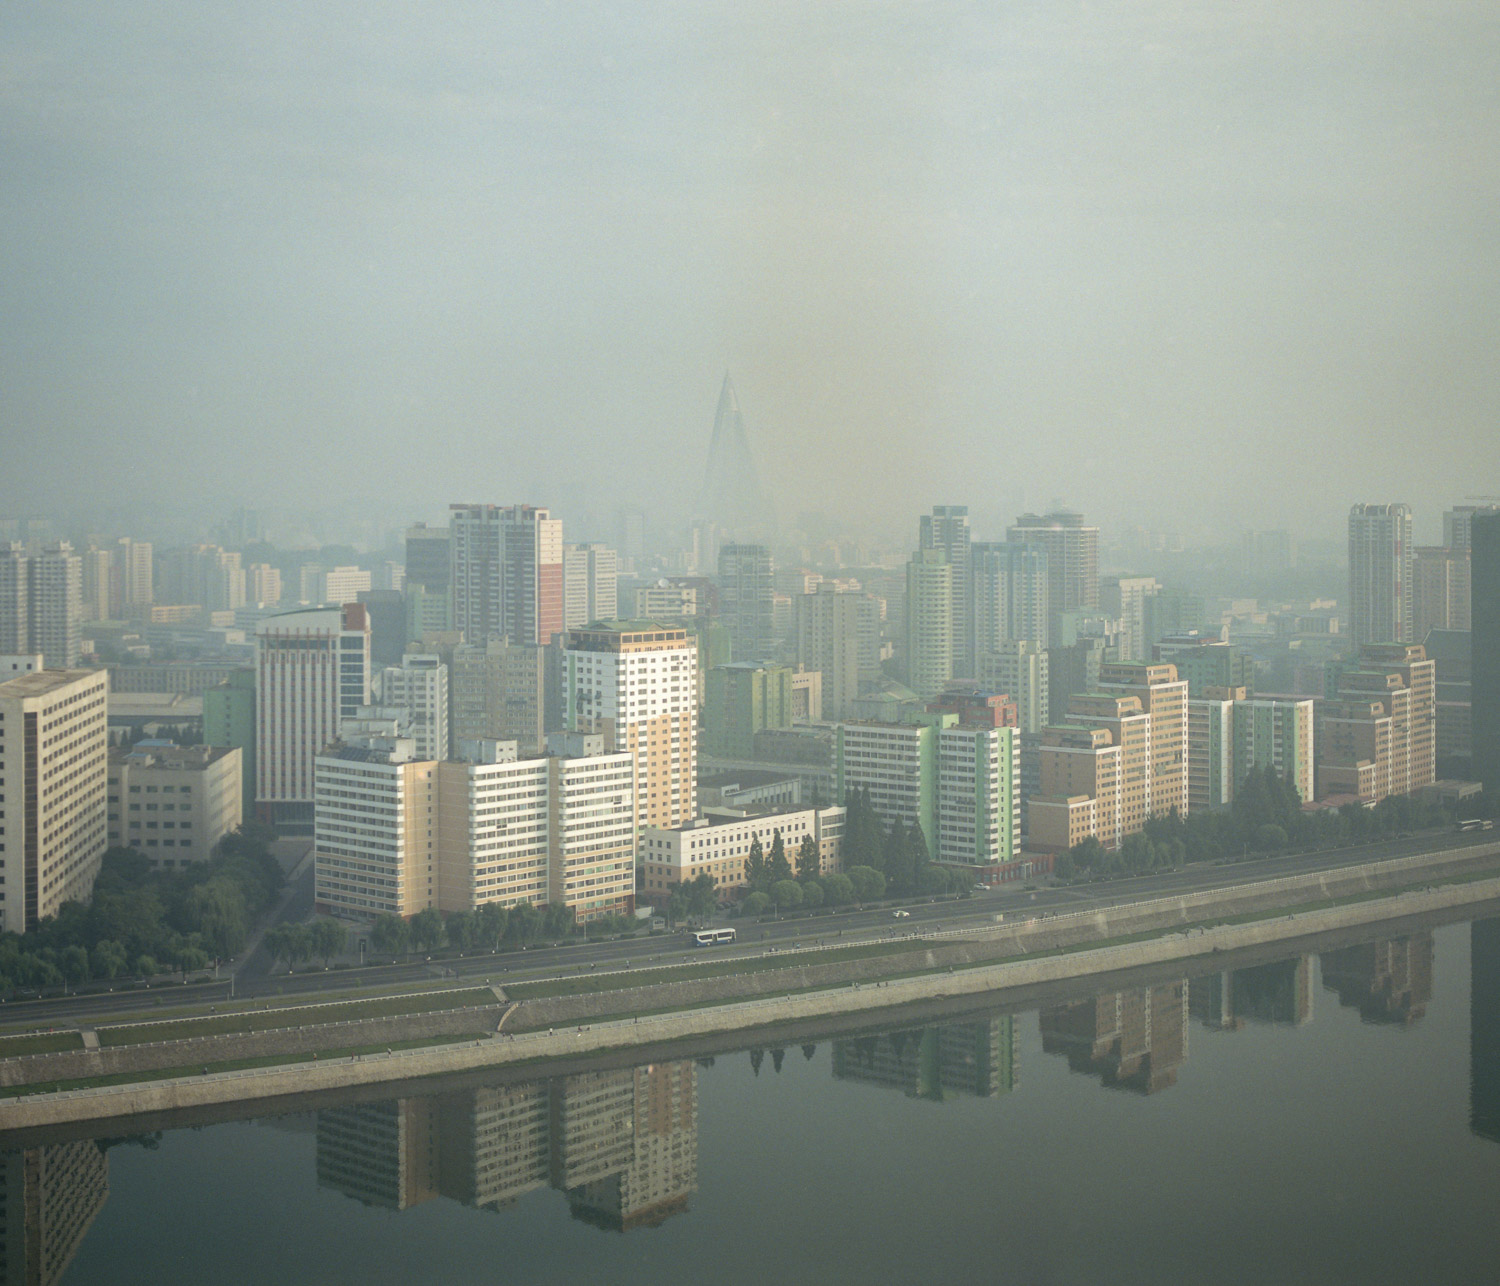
41,682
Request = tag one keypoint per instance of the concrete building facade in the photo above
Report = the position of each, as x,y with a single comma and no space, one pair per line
1380,574
171,803
719,845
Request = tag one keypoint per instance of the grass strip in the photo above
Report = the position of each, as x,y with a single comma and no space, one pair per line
235,1065
292,1016
51,1042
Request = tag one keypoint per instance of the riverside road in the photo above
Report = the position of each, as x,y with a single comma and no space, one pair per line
255,977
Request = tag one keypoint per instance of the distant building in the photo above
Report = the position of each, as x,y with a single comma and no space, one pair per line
929,622
828,641
746,600
419,685
589,584
1009,590
1485,679
1072,550
1380,574
1020,668
1125,598
1378,737
946,530
54,744
41,603
174,803
229,720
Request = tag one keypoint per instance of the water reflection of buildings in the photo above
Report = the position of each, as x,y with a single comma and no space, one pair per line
1132,1040
1484,1029
48,1198
1279,993
978,1059
1389,981
622,1144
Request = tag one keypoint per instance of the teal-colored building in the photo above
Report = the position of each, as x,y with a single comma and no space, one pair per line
741,699
229,720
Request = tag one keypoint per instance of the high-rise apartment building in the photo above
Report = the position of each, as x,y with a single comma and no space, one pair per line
1272,732
1072,562
636,682
1205,660
828,641
743,698
419,685
1118,758
1008,591
1380,574
498,692
1440,590
590,577
1019,667
946,529
54,746
41,603
263,584
428,558
959,782
1125,598
1211,749
1378,736
1458,524
1484,675
506,573
134,571
477,571
747,606
929,622
206,575
98,575
312,671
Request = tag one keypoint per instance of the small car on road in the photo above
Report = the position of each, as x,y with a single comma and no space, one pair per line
901,915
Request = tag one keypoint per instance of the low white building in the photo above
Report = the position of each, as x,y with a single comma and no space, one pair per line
719,845
174,803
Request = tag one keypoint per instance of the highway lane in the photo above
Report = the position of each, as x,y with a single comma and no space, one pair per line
258,979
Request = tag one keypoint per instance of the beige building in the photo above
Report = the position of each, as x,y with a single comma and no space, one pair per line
666,601
636,683
1120,758
719,845
1440,590
54,746
1378,737
828,639
174,803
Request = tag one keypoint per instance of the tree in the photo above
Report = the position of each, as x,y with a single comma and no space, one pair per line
190,959
778,1056
756,904
838,890
75,964
934,879
868,884
427,930
864,836
812,894
808,865
108,959
899,867
787,894
757,1057
490,925
146,966
524,925
389,935
327,939
776,865
757,877
677,905
463,930
702,895
559,922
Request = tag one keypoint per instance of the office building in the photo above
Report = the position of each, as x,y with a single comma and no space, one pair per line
1072,550
1009,593
589,584
1380,574
718,845
1485,672
419,685
929,622
636,682
828,642
743,698
173,804
946,529
1378,736
54,745
312,671
747,602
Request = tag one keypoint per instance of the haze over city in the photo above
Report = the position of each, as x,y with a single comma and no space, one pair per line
1225,264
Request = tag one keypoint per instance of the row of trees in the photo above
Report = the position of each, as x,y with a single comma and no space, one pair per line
491,928
143,920
1265,817
899,852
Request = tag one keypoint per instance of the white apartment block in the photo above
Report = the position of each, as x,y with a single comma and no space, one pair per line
419,685
719,845
54,749
590,579
41,603
1019,668
397,835
665,601
978,797
312,670
263,583
172,803
636,683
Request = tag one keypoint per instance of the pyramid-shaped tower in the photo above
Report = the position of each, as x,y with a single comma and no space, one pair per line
731,488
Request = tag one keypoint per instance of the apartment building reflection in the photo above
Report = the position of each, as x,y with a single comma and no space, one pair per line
1484,1029
1279,993
978,1059
1131,1040
1389,981
48,1199
621,1144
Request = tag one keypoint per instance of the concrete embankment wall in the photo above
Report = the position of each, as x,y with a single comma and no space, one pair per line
1194,949
82,1064
1017,936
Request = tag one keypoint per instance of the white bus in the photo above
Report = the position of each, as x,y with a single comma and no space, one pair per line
711,937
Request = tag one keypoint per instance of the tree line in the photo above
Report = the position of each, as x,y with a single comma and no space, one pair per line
144,920
1265,817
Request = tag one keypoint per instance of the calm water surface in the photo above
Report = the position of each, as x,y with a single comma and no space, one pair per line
1332,1119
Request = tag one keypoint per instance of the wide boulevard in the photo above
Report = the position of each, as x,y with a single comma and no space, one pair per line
256,978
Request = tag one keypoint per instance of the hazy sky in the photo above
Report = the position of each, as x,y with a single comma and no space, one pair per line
1170,262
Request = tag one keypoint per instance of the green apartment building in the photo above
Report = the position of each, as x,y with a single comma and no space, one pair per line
743,698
